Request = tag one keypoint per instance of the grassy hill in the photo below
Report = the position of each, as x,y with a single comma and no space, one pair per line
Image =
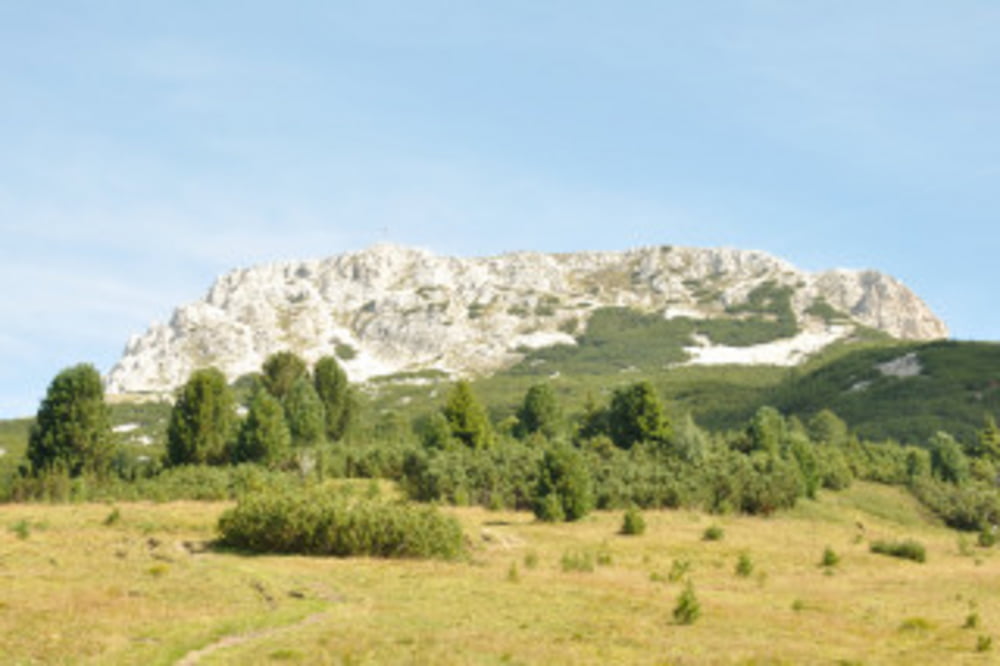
147,588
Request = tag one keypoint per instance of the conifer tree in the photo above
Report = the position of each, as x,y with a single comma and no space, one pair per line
304,413
264,436
336,395
202,420
467,417
71,429
539,412
280,372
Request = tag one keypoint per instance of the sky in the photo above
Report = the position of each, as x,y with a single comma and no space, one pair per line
148,147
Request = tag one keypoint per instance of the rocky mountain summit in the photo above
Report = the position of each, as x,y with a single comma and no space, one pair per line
390,310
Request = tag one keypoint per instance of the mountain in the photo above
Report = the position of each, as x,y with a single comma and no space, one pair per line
389,310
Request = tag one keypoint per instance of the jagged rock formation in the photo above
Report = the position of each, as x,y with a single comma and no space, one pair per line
392,309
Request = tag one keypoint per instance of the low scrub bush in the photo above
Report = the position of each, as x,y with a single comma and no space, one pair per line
713,533
830,558
687,609
633,524
577,560
321,521
744,565
907,549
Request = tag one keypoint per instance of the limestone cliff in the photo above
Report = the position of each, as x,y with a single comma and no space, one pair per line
392,309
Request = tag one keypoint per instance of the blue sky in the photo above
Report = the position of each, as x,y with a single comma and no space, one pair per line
149,147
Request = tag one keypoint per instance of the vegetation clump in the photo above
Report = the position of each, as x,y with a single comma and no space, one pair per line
908,549
633,524
688,609
713,533
323,521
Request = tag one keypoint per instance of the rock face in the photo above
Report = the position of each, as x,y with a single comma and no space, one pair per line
392,309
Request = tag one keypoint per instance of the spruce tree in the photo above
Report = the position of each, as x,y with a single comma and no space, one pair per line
71,429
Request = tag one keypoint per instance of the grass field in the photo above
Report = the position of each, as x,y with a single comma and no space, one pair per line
140,584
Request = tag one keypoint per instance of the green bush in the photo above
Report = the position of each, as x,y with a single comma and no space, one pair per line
633,523
744,565
908,549
687,609
713,533
830,558
577,560
321,521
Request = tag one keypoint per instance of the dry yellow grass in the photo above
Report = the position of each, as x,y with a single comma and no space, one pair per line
79,591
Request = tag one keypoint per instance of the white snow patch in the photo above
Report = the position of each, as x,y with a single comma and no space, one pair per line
786,352
3,452
678,311
904,366
143,440
540,339
125,427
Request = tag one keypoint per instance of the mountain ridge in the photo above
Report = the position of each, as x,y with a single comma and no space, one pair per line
391,309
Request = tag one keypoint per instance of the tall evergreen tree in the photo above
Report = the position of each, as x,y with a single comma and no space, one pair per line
201,421
636,415
281,371
539,412
71,429
948,462
304,413
336,394
467,417
564,489
264,436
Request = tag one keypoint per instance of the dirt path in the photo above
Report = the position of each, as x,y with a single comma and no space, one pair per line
195,656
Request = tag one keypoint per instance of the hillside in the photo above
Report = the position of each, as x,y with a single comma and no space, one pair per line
391,310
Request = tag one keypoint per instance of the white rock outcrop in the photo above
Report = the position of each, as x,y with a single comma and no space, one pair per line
391,309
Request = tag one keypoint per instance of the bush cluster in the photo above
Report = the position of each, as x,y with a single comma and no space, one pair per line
324,521
907,549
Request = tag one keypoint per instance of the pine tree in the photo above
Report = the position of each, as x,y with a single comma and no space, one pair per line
264,436
335,392
636,415
281,371
539,413
467,418
304,413
71,429
201,421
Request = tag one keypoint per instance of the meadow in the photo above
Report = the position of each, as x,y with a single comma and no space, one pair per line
143,583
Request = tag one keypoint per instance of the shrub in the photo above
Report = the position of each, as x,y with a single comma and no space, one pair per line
633,523
908,549
987,538
678,569
22,529
113,518
577,560
687,609
319,521
744,565
713,533
984,643
971,621
830,558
